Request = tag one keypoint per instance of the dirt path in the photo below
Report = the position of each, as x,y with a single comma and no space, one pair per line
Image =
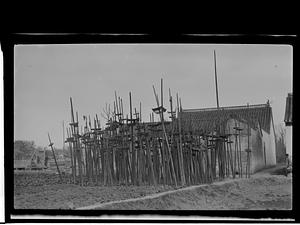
263,192
153,196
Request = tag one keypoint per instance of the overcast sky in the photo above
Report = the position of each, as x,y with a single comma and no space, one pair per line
47,75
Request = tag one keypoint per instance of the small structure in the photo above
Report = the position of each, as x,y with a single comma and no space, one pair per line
288,119
261,134
35,162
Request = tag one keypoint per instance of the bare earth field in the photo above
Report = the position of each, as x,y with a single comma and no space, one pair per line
261,191
273,193
45,191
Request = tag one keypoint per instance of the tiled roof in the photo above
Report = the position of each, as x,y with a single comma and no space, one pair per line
205,120
288,117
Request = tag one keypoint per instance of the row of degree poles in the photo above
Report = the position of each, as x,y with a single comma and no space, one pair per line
131,152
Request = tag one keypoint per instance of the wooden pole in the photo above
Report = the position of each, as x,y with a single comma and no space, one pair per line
216,79
236,148
176,153
63,124
248,150
51,145
183,182
166,138
71,155
165,160
159,145
77,151
132,144
117,107
240,153
231,158
140,112
150,162
73,131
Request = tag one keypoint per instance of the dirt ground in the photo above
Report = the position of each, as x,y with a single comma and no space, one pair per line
45,191
272,193
264,190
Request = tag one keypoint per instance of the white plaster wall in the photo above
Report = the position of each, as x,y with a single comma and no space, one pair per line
272,150
257,151
269,141
257,159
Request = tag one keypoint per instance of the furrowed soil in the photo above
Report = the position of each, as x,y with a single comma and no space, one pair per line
266,190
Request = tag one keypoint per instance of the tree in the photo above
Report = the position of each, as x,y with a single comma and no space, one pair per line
23,149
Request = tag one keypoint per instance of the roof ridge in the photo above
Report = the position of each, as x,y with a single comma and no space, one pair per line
227,107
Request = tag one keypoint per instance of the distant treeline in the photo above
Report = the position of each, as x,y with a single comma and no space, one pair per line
24,149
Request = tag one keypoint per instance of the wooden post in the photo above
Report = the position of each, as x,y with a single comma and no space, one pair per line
231,157
51,145
176,153
73,131
79,152
132,148
71,155
208,163
162,154
181,164
63,125
164,137
166,156
117,107
216,79
248,150
240,153
140,112
150,162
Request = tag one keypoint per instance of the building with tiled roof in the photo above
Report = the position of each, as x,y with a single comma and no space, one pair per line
258,117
